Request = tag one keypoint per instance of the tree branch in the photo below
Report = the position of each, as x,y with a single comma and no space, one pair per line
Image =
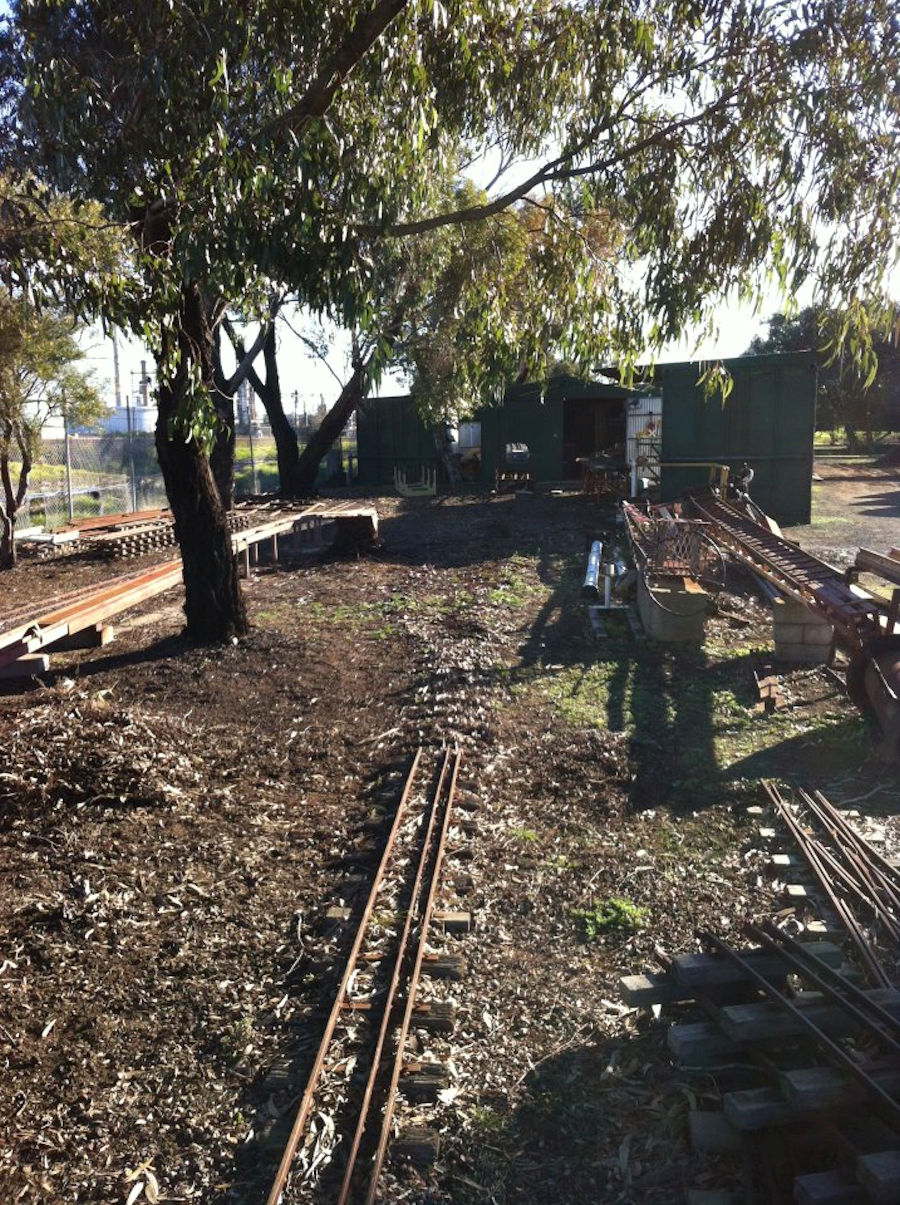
317,99
561,168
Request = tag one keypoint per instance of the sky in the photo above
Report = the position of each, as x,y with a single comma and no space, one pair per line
311,379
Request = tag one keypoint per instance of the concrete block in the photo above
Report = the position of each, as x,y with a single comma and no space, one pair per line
790,633
801,636
801,653
818,634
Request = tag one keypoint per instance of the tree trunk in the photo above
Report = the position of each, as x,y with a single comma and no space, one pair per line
330,429
13,496
269,393
7,539
222,456
214,604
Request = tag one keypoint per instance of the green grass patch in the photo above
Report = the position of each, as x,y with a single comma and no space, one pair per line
616,915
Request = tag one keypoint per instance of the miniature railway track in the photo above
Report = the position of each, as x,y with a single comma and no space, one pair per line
377,1024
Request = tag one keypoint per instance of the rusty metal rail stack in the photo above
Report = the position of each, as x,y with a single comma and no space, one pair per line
375,1026
864,625
796,573
855,881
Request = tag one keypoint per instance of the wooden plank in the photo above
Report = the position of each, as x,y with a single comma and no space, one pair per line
762,1021
27,666
706,970
700,1044
879,1174
640,991
421,1146
886,567
810,1089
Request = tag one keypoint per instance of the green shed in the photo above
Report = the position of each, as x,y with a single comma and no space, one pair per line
389,434
768,420
570,418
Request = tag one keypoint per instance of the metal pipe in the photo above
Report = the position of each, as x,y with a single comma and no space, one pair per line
590,588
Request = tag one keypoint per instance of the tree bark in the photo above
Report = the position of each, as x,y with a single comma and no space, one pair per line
329,430
214,604
222,456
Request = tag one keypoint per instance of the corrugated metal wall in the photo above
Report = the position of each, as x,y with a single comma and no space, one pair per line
389,433
768,420
523,418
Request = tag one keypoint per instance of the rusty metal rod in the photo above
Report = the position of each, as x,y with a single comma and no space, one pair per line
415,974
853,852
306,1100
866,954
888,871
858,885
834,1052
400,958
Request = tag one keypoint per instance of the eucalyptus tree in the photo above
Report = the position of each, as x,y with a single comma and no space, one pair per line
848,397
270,141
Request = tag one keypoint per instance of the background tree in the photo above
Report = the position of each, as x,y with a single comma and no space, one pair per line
848,397
724,137
40,382
40,377
518,283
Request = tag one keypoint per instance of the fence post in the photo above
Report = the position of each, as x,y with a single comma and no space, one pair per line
131,454
253,485
68,466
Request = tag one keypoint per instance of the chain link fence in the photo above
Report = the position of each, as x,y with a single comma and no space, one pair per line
81,476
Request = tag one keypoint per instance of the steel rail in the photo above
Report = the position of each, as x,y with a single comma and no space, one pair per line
829,981
415,974
847,877
306,1100
399,960
887,910
866,954
835,1053
886,869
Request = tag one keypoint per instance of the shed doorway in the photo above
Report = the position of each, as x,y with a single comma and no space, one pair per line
591,427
